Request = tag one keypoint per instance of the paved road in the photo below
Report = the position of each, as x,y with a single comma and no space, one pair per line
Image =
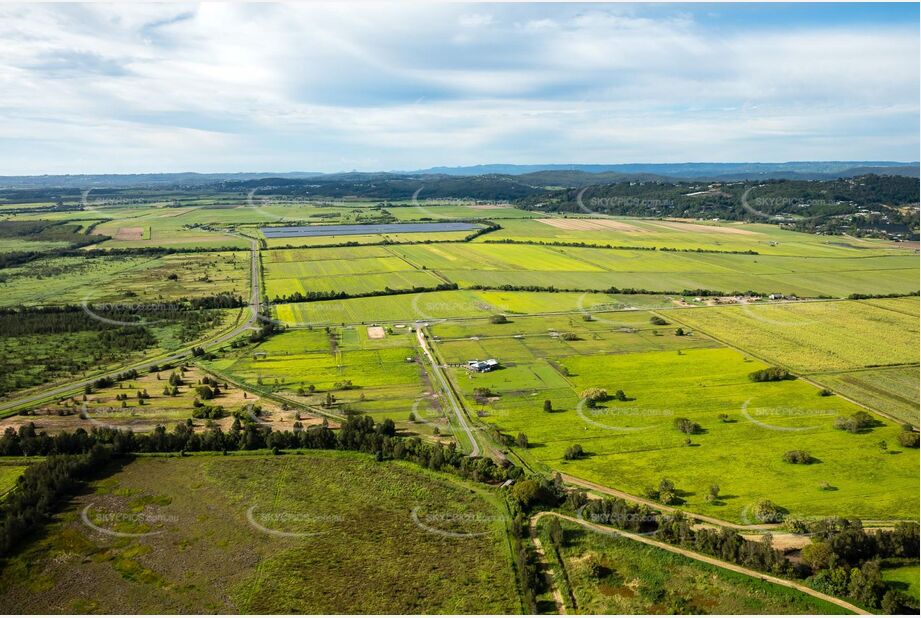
254,303
702,558
449,393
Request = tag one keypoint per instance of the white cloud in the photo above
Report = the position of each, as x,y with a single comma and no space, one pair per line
92,88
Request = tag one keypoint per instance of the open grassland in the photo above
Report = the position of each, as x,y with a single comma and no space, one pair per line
141,280
633,444
352,545
815,336
893,390
41,359
8,245
179,227
905,578
119,406
639,579
379,377
451,304
10,471
723,236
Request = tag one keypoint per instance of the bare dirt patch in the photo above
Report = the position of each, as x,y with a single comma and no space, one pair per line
591,225
699,227
129,233
376,332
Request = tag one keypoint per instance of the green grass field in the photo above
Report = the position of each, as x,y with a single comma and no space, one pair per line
906,578
632,444
9,474
215,547
99,278
454,304
592,268
723,236
379,377
638,579
840,345
821,336
892,390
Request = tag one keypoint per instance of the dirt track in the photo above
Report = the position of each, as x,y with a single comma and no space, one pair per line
700,557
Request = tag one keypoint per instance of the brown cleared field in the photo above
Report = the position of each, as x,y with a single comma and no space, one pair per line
129,233
590,225
697,227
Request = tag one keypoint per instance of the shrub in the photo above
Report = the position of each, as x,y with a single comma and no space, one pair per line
771,374
767,512
574,452
854,423
658,321
909,439
797,457
686,425
594,395
498,319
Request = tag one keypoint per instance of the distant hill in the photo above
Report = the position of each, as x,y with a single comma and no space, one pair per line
91,181
798,170
514,178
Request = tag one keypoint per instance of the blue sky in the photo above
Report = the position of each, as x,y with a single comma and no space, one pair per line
329,87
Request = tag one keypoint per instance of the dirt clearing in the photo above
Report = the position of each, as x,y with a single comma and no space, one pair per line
591,225
376,332
129,233
698,227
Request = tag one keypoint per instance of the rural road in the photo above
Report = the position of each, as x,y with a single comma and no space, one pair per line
548,572
449,392
700,557
573,480
254,303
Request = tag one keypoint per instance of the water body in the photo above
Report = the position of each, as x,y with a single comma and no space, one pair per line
380,228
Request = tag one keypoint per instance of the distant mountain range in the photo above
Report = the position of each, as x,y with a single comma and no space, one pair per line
570,175
799,170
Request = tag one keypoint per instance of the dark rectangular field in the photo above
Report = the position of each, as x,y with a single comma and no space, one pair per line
382,228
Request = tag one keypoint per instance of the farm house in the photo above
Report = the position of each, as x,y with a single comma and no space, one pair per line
483,366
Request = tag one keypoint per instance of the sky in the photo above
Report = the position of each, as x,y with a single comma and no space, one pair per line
215,87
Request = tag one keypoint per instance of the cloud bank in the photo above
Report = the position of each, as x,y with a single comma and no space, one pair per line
314,87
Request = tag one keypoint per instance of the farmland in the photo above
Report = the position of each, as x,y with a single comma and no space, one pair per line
634,444
378,377
627,352
723,236
816,336
845,346
215,551
450,304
